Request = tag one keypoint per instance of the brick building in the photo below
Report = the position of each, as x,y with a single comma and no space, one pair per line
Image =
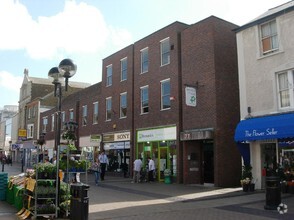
173,96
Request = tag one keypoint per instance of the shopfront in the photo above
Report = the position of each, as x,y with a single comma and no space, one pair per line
199,156
117,148
267,144
90,146
160,145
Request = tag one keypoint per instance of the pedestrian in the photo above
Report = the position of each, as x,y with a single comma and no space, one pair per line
9,160
137,170
151,169
97,170
103,162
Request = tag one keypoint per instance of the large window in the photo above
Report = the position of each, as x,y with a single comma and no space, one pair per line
29,113
85,113
62,117
144,60
269,37
71,115
165,51
45,122
108,108
144,100
52,122
285,89
165,94
124,69
30,132
109,75
95,113
123,105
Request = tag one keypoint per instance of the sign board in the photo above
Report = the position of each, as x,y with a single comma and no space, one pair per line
125,136
22,133
169,133
190,93
95,138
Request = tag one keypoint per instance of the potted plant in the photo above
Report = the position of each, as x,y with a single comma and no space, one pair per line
247,181
40,170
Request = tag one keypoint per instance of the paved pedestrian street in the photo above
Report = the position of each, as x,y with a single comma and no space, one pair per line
118,198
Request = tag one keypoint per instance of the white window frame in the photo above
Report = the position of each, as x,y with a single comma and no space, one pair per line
108,108
144,60
29,112
95,112
123,105
124,69
109,71
164,97
287,90
62,117
165,51
84,115
71,115
30,131
52,122
143,100
45,123
269,39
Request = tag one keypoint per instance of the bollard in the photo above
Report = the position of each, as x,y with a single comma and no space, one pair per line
273,192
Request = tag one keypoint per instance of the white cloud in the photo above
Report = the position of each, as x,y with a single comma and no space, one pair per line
78,29
7,80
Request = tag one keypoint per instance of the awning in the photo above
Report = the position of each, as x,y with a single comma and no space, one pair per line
264,128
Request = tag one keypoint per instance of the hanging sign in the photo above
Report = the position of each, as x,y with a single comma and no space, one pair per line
190,96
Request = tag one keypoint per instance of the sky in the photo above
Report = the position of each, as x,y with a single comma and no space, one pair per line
38,34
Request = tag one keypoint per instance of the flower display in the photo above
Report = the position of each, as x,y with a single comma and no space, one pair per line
245,181
167,172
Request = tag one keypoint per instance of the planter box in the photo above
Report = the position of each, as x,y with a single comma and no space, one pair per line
167,180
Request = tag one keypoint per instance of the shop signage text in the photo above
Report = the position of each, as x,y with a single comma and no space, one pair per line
256,133
169,133
122,136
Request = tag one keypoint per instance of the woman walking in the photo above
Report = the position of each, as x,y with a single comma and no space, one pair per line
96,168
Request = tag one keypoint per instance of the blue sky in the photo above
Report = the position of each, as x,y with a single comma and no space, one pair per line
38,34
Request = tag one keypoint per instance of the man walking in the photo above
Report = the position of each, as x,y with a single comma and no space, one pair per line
151,168
103,161
137,170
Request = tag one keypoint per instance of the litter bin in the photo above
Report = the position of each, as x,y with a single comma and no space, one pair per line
79,203
273,192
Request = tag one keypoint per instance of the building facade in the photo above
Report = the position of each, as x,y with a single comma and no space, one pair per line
265,60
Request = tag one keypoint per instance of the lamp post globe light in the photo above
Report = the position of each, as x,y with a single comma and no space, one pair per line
66,69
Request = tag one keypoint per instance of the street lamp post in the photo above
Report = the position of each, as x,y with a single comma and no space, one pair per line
66,69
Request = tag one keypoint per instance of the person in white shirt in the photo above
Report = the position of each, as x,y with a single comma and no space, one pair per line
103,161
137,170
151,168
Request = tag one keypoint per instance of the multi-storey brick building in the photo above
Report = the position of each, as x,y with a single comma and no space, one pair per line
173,96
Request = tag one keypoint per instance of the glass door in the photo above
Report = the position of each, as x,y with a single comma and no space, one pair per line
163,162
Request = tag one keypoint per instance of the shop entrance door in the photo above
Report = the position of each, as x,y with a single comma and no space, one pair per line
208,163
163,163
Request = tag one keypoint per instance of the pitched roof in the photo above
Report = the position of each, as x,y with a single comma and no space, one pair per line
268,15
48,81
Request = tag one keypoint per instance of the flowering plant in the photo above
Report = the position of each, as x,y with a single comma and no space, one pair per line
167,172
245,181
